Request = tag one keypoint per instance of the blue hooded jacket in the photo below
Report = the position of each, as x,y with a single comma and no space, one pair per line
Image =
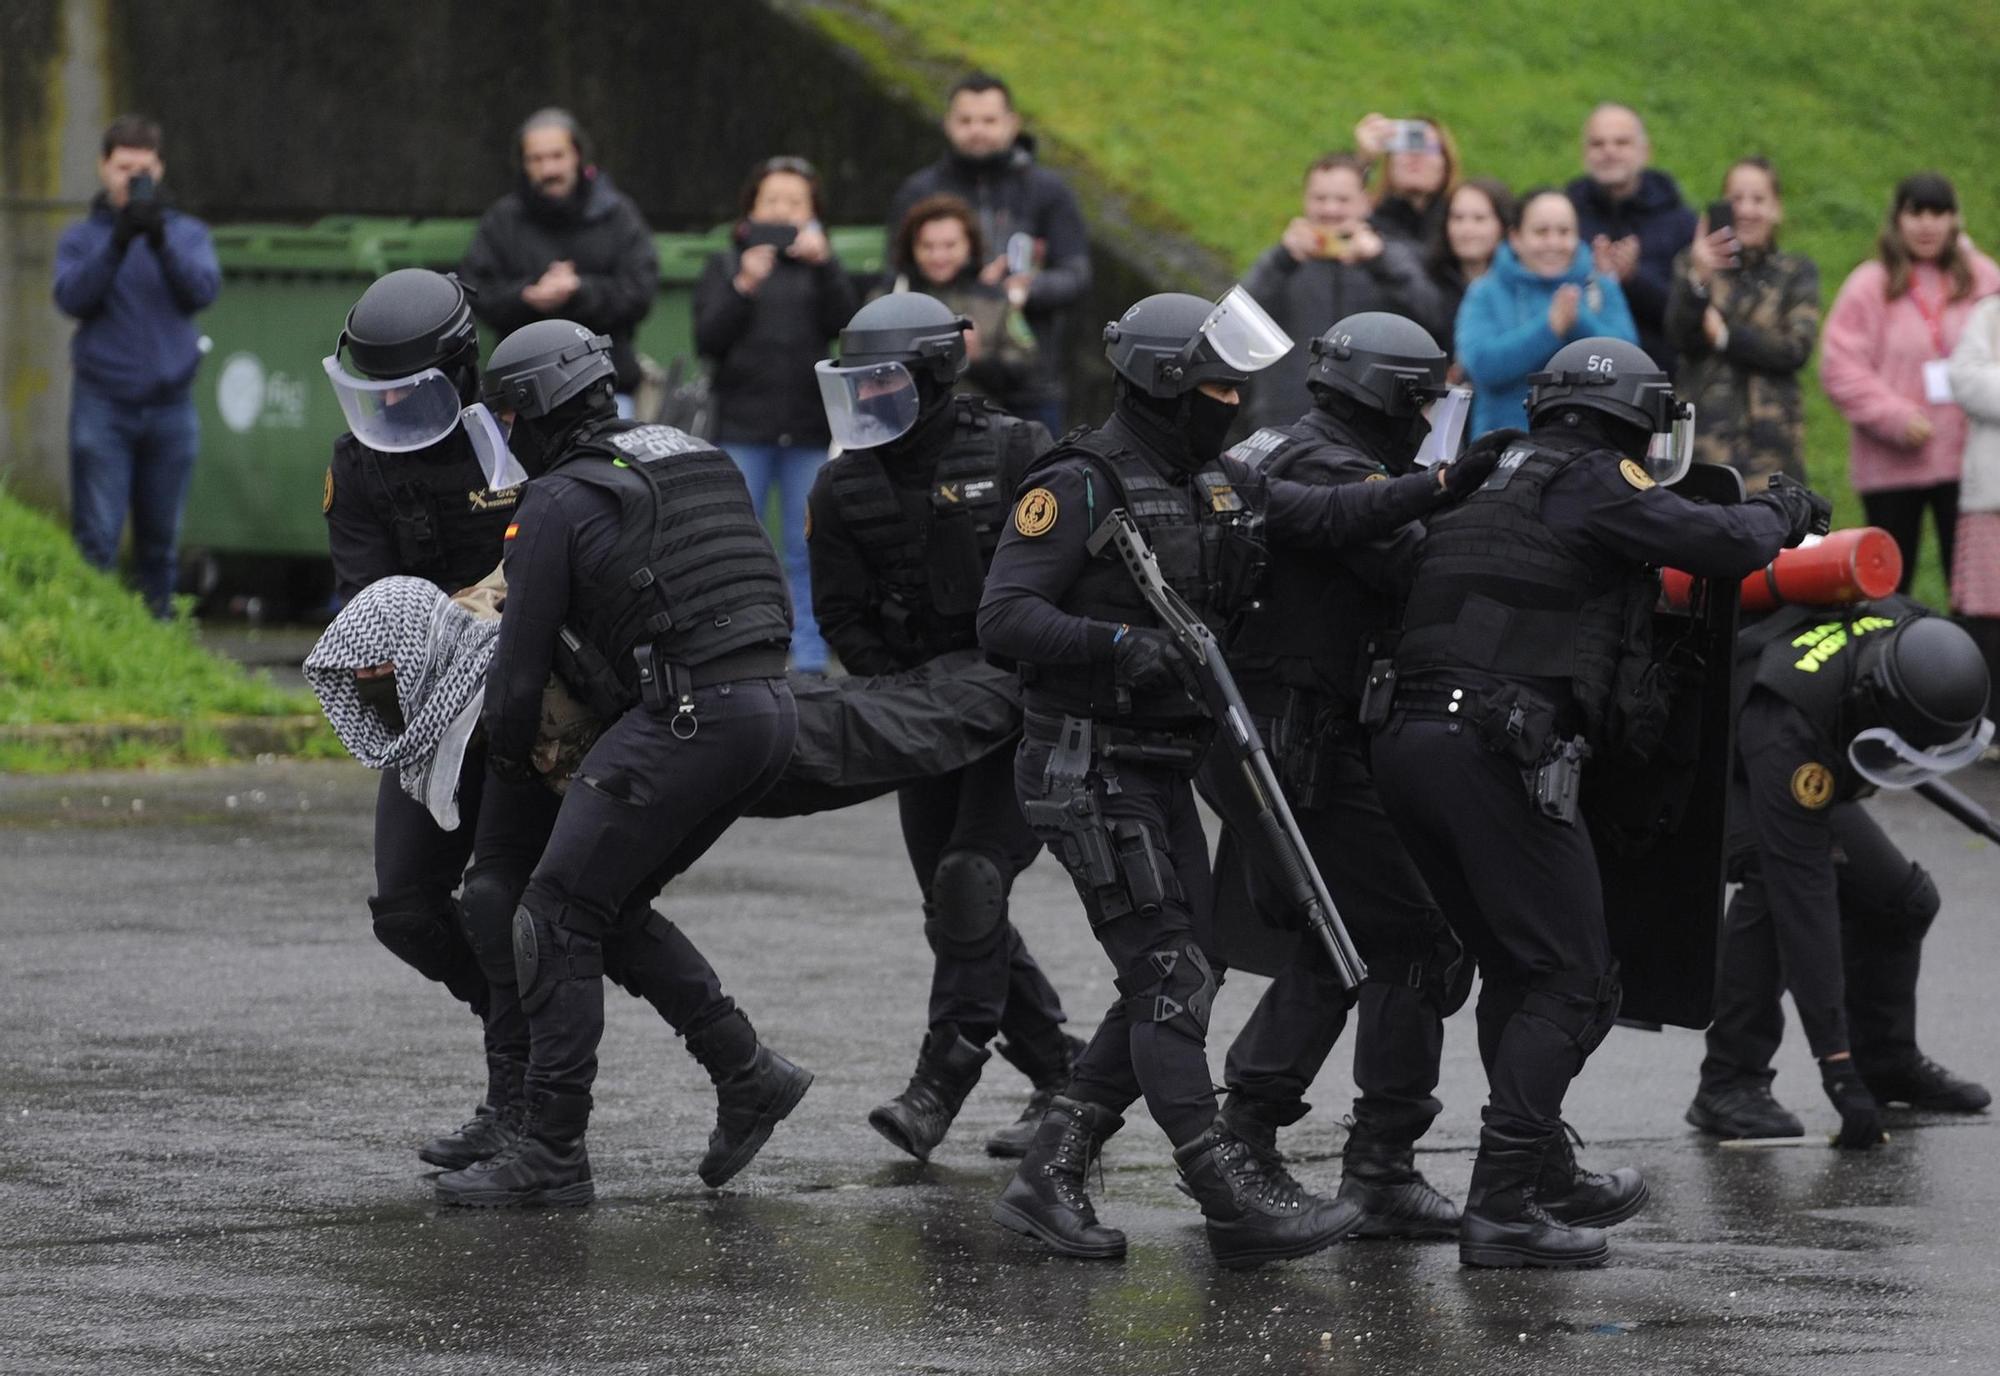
135,337
1503,331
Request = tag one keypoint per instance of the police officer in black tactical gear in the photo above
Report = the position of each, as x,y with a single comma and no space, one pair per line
1836,702
421,504
1530,602
900,529
1301,658
634,550
1114,734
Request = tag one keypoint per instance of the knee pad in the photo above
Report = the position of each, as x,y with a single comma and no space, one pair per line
1916,904
968,904
547,953
427,936
1174,985
1582,1007
488,900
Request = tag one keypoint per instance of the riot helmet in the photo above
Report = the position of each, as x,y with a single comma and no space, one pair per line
415,374
899,357
1620,380
1168,345
1923,685
1388,363
552,375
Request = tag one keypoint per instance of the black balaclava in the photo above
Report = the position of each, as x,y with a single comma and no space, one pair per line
1588,423
1391,441
1186,431
540,443
917,448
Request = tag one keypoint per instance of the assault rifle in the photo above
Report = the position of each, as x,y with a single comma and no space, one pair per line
1300,876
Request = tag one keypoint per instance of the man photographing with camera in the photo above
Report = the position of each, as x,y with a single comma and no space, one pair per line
133,273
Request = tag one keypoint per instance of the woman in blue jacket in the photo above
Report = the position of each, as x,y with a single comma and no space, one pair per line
1539,295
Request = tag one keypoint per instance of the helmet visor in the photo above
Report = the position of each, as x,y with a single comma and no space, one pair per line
1671,452
1886,760
867,405
489,442
1447,416
399,415
1242,335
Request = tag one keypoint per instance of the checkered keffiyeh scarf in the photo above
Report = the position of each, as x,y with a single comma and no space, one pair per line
441,652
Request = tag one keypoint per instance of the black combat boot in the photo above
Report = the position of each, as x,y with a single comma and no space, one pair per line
1047,1068
1395,1199
1046,1199
494,1124
1743,1110
1922,1083
917,1119
752,1095
1255,1211
1583,1198
1505,1225
546,1164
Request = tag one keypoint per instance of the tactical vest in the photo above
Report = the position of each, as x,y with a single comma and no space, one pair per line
692,574
930,563
449,526
1311,627
1498,593
1207,536
1813,656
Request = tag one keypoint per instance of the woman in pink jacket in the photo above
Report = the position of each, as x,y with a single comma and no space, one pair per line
1884,363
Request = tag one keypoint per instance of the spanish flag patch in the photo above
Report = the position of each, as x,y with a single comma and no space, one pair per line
513,529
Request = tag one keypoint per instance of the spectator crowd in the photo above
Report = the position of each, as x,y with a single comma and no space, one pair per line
1502,277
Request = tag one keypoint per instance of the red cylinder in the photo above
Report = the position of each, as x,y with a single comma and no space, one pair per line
1846,567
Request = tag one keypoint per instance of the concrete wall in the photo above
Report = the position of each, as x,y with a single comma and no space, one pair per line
408,107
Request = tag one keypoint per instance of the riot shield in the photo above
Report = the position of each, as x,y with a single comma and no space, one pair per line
1254,929
1660,828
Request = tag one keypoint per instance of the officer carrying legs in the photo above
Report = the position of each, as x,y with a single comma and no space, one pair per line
1837,702
1525,600
1114,734
900,529
1301,656
407,493
638,543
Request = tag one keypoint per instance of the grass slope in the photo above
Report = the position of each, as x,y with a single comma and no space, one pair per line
1208,113
78,648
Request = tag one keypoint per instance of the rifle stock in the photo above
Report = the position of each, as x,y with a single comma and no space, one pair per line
1300,876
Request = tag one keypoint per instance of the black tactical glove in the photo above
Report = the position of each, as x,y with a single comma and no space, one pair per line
1467,473
1809,513
1144,658
1860,1115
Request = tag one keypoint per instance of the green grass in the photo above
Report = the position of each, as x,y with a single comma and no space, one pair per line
77,648
1206,114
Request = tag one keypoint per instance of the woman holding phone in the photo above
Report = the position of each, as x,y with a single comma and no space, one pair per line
1744,315
763,311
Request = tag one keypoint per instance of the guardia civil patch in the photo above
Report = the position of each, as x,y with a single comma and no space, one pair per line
1635,474
1376,478
326,494
1036,513
1812,785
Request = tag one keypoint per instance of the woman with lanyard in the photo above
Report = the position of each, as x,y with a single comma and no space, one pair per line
1887,342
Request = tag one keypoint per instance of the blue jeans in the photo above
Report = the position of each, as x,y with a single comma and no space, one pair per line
792,469
125,455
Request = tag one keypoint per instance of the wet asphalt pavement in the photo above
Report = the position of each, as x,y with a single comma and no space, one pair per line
212,1082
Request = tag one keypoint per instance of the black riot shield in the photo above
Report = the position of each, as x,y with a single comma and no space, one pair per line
1660,827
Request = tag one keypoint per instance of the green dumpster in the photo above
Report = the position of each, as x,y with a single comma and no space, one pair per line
268,418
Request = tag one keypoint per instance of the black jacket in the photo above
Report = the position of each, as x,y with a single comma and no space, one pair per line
600,230
763,347
1664,226
1018,196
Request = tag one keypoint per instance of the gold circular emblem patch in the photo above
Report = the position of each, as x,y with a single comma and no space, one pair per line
1036,513
1812,785
1635,474
326,494
1376,478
